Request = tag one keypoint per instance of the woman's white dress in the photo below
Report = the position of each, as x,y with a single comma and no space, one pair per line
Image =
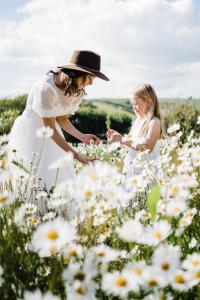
44,100
130,169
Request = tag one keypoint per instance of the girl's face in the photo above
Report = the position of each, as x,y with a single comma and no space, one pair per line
140,106
84,80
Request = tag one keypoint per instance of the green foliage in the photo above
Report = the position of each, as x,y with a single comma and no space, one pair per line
152,200
186,115
17,103
108,122
7,119
90,119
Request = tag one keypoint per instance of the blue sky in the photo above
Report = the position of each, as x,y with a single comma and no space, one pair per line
8,8
157,41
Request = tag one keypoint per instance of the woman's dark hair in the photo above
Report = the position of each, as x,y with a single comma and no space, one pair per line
65,80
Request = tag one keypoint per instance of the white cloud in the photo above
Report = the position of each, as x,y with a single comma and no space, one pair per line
154,41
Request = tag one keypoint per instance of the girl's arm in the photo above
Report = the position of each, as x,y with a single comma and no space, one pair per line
153,135
66,125
58,139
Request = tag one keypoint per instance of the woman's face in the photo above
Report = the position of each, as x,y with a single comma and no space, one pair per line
84,80
140,106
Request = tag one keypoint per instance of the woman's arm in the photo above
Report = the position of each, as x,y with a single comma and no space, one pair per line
58,139
66,125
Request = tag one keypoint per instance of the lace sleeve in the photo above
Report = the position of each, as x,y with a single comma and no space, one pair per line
44,101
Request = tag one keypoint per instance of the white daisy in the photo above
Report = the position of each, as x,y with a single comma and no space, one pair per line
192,262
118,284
82,290
44,132
180,281
173,128
136,270
156,233
50,237
152,278
37,295
105,254
6,198
63,161
166,258
131,231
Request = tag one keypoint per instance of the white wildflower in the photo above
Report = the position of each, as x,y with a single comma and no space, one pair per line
118,284
37,295
44,132
181,280
173,128
166,258
49,238
156,233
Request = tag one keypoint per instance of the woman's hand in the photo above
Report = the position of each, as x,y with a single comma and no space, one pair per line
88,138
114,136
81,158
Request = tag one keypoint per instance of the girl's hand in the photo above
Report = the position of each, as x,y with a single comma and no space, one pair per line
88,138
114,136
110,132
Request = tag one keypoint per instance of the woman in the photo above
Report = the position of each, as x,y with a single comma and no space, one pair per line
50,102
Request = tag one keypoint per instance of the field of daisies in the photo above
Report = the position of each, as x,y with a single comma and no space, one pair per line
99,237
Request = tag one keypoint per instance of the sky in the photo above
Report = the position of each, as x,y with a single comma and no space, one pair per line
153,41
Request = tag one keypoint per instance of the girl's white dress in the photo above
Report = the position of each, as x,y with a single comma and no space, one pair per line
129,168
44,100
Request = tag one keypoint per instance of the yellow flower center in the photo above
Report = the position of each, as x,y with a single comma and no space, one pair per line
3,199
53,235
137,271
87,194
175,190
195,263
66,260
190,213
81,290
73,252
101,253
133,181
157,235
53,250
165,266
197,275
33,221
185,222
152,282
180,279
121,281
93,176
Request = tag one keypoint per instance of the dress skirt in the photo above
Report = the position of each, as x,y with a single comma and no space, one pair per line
28,146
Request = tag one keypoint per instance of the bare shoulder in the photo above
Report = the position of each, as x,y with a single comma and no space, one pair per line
155,122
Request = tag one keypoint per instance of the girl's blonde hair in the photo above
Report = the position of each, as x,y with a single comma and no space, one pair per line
147,92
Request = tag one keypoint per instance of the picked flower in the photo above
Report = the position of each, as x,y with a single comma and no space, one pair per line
44,132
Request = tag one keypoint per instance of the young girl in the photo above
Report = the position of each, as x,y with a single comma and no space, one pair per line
146,129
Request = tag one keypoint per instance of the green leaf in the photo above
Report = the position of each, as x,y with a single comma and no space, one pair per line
152,200
16,163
